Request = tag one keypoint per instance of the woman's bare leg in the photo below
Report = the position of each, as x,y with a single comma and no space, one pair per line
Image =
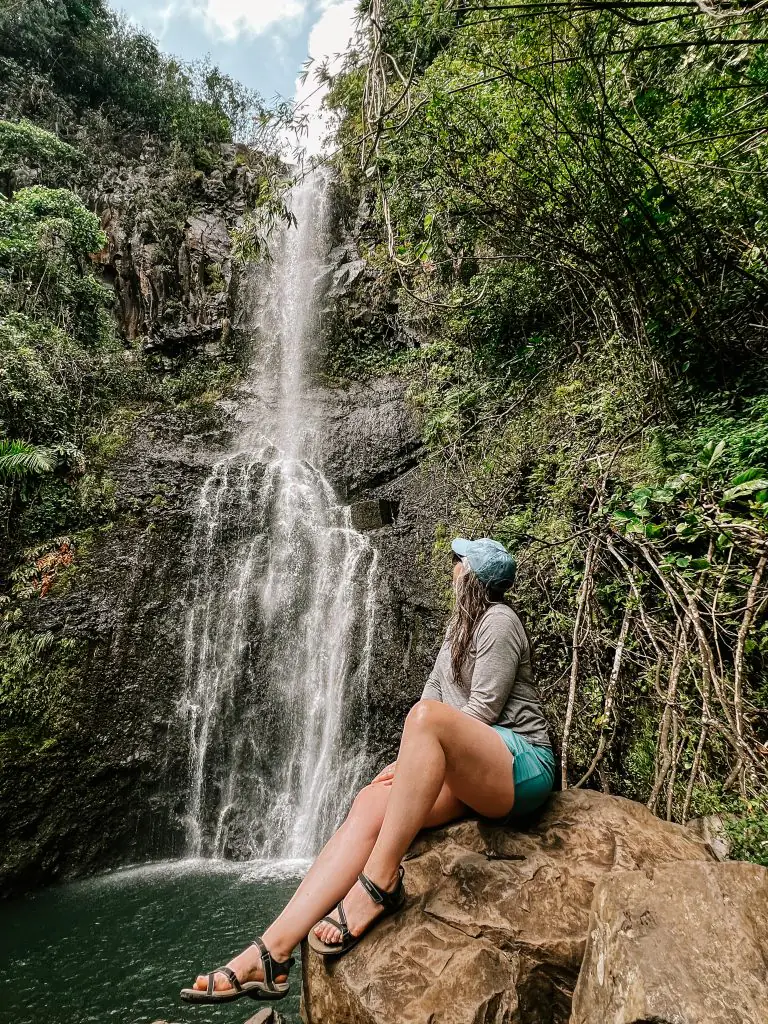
441,747
336,868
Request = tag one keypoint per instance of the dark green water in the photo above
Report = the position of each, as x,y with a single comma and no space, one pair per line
119,947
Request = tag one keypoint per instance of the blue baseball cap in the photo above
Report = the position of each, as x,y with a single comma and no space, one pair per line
488,559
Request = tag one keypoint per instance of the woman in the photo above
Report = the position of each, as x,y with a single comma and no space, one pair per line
476,742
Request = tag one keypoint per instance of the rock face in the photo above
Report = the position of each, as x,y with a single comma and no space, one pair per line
112,789
100,791
168,250
681,944
496,921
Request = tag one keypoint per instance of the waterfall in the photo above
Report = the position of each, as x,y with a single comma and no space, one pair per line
281,595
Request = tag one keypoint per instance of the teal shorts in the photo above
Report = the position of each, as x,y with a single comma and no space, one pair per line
534,771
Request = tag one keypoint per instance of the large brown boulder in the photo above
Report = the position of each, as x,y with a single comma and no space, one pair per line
681,944
495,924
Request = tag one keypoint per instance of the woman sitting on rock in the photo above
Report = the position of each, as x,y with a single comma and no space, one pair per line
476,742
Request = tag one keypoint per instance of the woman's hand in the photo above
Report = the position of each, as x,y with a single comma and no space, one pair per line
386,775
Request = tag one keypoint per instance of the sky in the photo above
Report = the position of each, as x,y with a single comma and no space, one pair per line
261,43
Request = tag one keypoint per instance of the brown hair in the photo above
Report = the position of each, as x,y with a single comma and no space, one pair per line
472,599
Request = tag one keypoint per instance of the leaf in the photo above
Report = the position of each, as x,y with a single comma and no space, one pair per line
19,459
711,454
663,495
699,563
677,483
742,490
749,474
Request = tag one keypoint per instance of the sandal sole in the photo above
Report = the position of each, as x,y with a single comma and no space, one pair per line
191,995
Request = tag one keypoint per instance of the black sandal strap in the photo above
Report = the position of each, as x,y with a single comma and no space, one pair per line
229,973
388,899
344,927
341,923
271,966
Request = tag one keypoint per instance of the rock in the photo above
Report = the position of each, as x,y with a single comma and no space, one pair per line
346,275
682,944
711,828
373,514
174,281
266,1016
496,921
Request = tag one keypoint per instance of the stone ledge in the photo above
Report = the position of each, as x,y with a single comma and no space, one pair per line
496,920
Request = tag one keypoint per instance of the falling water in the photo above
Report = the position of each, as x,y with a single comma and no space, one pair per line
279,623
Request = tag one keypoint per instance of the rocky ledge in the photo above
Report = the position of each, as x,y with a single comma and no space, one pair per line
498,922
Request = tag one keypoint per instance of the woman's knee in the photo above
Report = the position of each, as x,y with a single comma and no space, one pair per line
425,714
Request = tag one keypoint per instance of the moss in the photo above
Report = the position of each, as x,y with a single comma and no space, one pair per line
38,672
213,279
201,384
103,447
19,744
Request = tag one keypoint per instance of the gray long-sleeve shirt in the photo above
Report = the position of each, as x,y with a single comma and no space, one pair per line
496,683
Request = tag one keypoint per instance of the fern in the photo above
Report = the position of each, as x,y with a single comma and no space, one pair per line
19,459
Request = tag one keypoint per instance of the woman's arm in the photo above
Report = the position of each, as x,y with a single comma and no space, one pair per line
432,689
500,644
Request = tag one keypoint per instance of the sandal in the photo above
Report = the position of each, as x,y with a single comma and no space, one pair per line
266,989
390,901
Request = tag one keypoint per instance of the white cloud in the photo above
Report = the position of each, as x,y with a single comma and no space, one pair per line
231,19
329,38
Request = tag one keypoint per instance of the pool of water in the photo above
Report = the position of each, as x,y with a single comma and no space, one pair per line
119,947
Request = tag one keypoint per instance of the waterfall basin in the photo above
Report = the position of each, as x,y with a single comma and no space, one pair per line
119,946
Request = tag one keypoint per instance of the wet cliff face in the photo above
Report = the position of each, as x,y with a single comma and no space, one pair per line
112,788
94,796
168,250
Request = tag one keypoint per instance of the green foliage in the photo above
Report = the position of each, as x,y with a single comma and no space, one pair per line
82,50
24,142
58,217
19,459
46,239
199,384
75,65
745,823
250,240
59,365
44,372
748,833
36,669
571,204
624,219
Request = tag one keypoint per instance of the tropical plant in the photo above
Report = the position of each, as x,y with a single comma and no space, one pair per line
570,201
19,459
22,142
